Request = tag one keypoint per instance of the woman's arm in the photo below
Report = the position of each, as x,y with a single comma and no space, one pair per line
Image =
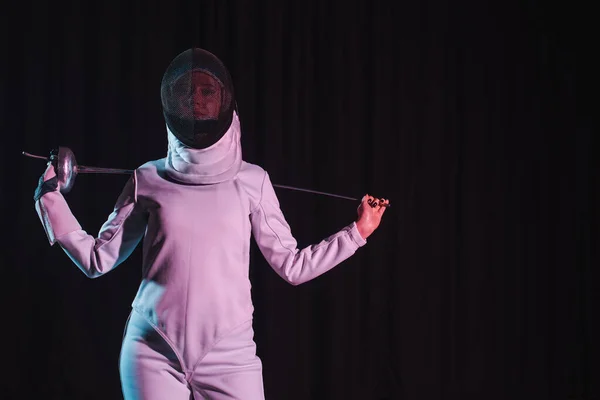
274,238
117,239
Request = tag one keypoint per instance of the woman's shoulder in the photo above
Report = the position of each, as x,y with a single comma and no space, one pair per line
151,167
251,171
251,178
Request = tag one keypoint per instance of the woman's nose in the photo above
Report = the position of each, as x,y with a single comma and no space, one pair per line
199,99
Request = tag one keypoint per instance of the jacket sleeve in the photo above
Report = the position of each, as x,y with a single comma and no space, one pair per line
117,239
275,241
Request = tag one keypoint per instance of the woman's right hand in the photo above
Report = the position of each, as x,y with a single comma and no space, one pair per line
48,182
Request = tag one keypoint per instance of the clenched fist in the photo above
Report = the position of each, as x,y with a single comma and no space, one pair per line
370,211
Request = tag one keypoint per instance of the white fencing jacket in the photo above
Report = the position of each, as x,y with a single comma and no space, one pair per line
195,211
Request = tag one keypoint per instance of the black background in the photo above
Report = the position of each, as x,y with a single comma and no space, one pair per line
476,119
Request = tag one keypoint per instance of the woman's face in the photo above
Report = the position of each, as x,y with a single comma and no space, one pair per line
200,96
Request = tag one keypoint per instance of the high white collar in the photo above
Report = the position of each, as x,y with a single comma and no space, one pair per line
214,164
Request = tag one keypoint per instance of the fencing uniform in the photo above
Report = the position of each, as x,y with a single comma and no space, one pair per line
190,329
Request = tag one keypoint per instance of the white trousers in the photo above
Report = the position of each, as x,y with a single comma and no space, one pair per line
150,369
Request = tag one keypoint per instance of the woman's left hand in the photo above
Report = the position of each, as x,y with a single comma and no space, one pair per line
370,211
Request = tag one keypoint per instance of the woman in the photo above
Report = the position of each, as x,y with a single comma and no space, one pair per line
189,334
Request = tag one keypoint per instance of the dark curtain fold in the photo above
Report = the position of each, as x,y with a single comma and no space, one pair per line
476,119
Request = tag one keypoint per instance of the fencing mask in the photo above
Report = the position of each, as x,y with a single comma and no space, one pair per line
197,98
